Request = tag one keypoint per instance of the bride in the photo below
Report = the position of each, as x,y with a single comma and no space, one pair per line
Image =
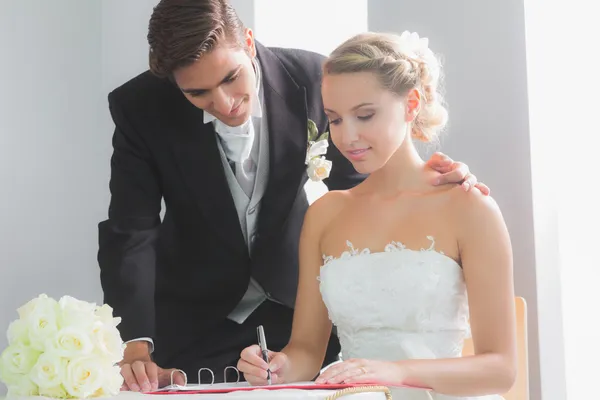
391,261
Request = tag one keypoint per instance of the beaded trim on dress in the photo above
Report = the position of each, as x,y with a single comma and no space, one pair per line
390,247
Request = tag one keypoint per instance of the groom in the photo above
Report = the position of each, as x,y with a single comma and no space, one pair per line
218,129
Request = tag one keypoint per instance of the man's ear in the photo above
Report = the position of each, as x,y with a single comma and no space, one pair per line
250,45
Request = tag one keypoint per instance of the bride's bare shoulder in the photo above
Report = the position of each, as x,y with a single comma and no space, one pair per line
473,208
327,206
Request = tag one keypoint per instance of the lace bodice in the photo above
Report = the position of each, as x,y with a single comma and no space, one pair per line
397,304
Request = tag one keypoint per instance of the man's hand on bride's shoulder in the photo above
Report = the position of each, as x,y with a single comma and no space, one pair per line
454,172
358,370
254,368
141,374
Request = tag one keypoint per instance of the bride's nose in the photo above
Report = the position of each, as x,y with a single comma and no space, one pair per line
350,134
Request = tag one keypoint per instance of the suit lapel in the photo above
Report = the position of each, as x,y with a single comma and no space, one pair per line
199,161
287,122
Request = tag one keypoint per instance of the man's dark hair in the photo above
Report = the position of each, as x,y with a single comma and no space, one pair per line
181,31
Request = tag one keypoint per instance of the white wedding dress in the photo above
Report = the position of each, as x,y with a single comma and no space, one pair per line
398,304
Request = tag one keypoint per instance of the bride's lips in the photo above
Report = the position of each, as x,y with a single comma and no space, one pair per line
357,154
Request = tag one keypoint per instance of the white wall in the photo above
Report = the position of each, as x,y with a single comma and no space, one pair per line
545,146
563,95
296,24
52,158
483,45
124,43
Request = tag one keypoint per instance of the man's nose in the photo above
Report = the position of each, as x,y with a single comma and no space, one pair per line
222,102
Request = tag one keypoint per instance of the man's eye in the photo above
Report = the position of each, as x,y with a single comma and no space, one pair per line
233,78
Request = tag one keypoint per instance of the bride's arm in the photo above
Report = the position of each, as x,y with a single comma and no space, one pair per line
486,258
311,327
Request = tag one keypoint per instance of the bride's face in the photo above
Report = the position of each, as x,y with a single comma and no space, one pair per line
367,123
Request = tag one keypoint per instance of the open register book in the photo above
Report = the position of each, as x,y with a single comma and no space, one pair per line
239,386
245,386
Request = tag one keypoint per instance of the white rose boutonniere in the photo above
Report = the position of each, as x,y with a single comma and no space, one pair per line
63,349
318,166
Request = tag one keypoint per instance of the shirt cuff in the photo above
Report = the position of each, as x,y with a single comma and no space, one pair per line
150,342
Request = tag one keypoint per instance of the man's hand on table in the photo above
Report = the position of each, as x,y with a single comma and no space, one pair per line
141,374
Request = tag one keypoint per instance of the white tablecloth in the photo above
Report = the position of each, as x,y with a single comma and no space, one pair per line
284,394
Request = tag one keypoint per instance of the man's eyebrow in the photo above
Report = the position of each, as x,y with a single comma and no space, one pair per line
227,77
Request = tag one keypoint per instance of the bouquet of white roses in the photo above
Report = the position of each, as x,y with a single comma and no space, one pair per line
63,349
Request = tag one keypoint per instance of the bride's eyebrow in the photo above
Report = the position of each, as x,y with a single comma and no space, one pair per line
352,109
361,105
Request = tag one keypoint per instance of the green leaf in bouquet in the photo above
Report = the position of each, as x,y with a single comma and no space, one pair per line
313,131
324,136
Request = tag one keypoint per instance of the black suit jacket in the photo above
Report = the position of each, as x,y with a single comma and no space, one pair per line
174,279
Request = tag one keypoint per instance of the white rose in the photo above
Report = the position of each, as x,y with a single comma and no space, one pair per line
18,332
48,371
40,316
108,342
75,312
17,360
71,342
85,376
105,315
113,381
23,388
57,392
316,149
28,307
319,168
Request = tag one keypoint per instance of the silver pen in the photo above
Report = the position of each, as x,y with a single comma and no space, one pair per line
262,343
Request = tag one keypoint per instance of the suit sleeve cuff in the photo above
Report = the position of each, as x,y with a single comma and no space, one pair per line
149,340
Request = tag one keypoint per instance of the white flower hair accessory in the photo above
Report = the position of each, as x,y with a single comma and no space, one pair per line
319,167
412,45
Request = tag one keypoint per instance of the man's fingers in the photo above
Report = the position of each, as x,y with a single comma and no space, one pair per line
129,377
152,372
457,175
139,370
440,160
483,188
469,182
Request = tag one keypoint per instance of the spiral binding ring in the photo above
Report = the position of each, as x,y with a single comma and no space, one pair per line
212,374
225,374
185,380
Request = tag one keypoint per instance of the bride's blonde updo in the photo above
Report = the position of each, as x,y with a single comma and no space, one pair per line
401,63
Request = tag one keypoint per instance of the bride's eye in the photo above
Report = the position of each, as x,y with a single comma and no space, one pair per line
365,117
335,121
